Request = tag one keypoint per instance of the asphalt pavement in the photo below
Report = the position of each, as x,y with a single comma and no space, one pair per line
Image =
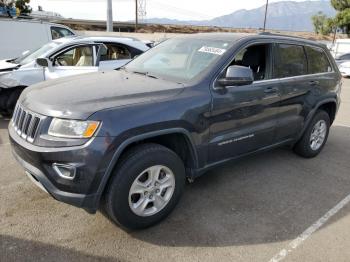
273,205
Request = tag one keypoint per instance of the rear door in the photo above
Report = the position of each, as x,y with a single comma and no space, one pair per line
302,71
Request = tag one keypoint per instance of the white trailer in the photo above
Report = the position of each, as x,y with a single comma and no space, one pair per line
20,35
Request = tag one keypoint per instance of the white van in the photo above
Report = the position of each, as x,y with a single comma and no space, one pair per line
18,36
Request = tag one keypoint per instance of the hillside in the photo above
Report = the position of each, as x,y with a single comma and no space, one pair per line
286,15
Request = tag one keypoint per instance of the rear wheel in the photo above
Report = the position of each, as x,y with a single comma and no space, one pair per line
315,136
146,186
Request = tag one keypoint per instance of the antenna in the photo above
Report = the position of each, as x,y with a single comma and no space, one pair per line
267,4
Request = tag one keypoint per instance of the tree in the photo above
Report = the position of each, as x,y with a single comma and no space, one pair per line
329,26
342,18
318,22
23,6
340,5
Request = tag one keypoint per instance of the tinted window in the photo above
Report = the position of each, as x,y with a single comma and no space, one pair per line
318,61
58,32
77,56
290,60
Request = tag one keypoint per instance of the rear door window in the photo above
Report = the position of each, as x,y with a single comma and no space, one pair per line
290,60
114,52
318,61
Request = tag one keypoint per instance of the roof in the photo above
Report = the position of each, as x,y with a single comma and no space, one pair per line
30,20
251,36
95,39
133,42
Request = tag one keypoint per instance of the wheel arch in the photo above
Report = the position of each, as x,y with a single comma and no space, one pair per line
329,105
331,108
168,138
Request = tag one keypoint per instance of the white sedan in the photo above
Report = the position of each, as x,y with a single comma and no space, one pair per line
344,69
63,57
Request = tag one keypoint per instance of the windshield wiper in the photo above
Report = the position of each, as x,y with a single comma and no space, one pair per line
145,74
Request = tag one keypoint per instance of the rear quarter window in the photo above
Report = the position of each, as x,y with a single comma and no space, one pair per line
290,60
318,61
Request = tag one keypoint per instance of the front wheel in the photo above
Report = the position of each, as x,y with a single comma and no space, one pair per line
315,136
146,186
8,100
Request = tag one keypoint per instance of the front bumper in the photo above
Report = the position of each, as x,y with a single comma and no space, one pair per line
83,190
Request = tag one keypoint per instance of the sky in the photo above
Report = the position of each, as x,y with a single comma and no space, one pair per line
124,10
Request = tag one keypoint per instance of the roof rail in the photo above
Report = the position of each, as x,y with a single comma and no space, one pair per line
274,34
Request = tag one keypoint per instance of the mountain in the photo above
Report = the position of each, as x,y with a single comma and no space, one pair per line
284,15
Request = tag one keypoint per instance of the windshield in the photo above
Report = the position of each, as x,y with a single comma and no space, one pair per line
179,59
31,56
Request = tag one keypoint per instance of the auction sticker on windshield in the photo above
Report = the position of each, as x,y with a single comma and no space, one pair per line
212,50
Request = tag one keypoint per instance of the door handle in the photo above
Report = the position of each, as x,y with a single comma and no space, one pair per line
270,90
314,83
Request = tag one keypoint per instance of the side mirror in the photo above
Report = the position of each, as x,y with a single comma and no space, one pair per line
43,62
237,76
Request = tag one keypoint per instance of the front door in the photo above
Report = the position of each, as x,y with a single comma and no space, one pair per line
243,118
76,60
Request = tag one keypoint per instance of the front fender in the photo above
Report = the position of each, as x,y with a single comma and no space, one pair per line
129,141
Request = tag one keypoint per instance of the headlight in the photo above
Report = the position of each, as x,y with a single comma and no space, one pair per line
72,128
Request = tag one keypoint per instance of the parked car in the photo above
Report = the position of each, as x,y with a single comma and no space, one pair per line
342,58
125,141
344,69
21,35
63,57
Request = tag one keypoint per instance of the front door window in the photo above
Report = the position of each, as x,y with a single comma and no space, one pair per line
77,56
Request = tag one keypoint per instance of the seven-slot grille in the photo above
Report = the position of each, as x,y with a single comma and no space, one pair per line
25,123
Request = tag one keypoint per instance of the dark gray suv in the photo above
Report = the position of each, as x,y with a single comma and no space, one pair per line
126,141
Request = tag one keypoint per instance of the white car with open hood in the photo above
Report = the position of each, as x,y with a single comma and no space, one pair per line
63,57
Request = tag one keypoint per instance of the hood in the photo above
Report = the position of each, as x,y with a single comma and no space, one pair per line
6,66
78,97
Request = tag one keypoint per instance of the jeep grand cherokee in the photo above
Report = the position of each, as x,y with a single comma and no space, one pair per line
125,141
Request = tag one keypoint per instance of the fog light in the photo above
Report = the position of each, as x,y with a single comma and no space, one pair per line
64,170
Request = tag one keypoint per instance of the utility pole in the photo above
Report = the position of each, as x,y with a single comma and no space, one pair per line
136,15
267,4
109,16
335,34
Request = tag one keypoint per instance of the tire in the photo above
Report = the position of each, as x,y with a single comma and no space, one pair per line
304,147
8,100
119,200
